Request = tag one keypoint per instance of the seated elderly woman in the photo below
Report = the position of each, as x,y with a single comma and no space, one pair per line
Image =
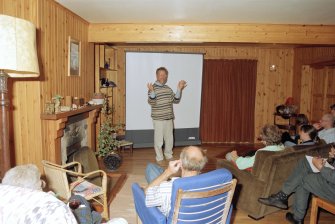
271,138
26,176
23,201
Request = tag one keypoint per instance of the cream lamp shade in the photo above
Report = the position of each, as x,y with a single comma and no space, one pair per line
18,55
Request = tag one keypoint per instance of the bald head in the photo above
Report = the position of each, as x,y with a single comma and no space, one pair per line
193,158
327,121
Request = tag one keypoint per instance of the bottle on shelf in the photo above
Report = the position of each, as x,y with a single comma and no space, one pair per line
107,65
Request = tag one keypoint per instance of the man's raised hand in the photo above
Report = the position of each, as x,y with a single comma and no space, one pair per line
150,87
182,84
174,166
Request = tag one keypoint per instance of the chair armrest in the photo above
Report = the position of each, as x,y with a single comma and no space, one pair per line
147,215
73,164
104,175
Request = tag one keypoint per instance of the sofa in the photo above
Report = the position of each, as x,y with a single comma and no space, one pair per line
269,172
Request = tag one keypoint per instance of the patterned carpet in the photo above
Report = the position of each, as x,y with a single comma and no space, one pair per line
123,204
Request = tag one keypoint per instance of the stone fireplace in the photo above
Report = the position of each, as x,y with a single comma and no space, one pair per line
68,131
75,136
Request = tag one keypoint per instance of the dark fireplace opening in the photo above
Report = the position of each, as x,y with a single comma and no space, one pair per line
75,137
70,150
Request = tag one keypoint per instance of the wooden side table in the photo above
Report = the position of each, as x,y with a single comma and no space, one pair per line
126,144
289,126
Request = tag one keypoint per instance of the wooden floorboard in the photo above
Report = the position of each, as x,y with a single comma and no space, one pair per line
136,162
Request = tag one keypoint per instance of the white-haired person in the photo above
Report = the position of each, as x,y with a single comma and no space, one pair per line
327,132
158,192
23,201
271,138
22,188
26,176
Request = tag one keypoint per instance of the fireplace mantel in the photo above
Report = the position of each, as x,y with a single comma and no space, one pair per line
54,124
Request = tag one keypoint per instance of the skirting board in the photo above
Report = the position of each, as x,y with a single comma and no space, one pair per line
145,138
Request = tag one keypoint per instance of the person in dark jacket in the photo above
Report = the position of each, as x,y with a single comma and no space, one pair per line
304,181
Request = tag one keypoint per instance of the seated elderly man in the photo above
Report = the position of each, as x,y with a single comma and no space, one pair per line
328,131
22,200
158,193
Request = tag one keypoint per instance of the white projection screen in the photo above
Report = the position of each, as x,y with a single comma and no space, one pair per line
140,70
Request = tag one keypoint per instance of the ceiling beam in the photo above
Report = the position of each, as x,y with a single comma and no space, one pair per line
212,33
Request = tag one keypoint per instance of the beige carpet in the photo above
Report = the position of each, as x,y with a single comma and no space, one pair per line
123,204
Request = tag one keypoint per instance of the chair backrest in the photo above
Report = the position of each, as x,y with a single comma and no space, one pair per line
86,157
57,180
205,198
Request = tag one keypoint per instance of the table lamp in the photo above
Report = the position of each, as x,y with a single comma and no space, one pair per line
18,59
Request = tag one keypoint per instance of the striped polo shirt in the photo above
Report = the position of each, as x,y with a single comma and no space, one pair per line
162,103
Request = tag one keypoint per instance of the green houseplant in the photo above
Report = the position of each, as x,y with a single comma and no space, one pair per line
108,144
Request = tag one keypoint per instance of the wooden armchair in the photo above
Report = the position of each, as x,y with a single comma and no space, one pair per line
58,181
322,203
87,158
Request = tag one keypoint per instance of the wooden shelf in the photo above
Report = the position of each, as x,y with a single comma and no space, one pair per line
69,113
108,69
106,87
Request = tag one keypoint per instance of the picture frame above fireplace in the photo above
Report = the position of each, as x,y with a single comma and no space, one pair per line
74,51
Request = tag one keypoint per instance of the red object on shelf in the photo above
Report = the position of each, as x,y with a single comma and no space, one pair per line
289,101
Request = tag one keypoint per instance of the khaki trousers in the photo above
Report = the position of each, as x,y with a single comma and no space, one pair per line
163,134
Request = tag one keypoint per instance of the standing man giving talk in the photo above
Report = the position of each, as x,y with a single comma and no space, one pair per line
161,98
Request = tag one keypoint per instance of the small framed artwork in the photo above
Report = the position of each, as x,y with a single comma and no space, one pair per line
74,57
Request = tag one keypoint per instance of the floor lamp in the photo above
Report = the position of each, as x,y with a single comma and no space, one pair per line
18,59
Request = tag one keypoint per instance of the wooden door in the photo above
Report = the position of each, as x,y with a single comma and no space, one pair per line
317,91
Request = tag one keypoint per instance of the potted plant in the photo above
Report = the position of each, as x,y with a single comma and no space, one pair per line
108,145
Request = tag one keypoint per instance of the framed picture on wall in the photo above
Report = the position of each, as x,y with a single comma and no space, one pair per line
74,57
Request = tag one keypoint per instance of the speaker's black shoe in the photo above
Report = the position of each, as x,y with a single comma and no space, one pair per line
278,200
291,219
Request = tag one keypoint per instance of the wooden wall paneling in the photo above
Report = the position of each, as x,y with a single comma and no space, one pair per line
25,93
319,80
120,96
195,33
306,56
272,87
58,24
317,92
330,90
96,68
27,125
54,24
101,56
306,90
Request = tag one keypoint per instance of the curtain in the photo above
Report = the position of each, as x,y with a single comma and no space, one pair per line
228,101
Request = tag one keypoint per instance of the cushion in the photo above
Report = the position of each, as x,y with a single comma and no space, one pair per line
85,188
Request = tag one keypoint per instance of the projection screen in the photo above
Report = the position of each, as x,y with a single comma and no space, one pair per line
140,70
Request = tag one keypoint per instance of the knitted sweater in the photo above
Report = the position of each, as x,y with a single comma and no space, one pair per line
162,104
246,162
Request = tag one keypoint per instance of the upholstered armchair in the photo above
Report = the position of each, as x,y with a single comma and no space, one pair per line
199,199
